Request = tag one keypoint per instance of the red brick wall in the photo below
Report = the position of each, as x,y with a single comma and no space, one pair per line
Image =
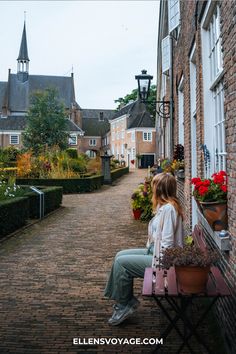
190,32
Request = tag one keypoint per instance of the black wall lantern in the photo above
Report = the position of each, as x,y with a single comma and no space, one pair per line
144,84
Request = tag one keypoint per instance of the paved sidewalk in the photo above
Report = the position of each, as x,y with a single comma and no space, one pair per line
52,277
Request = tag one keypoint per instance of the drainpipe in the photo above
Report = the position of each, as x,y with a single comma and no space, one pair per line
171,100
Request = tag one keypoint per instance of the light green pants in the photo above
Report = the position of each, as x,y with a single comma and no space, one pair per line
127,265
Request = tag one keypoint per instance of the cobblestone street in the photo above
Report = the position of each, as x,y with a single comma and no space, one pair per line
53,274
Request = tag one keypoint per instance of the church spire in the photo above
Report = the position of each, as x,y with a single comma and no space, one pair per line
23,58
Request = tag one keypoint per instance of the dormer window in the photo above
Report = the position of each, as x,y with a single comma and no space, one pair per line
101,117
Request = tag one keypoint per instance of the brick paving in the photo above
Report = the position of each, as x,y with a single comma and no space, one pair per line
53,274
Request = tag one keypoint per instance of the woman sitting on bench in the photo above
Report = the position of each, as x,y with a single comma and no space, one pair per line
164,230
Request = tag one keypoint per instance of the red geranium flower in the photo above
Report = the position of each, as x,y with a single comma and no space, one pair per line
222,173
195,180
223,188
206,183
211,189
218,179
203,190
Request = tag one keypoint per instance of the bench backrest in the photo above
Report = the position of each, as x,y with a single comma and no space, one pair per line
198,237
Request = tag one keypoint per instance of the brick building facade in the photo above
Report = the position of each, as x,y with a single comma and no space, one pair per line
133,136
196,72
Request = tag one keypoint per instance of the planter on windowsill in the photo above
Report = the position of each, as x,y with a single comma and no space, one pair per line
216,214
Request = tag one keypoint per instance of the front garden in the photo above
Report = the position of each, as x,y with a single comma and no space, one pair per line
53,172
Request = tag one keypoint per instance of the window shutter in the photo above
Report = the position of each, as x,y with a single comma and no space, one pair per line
165,54
173,14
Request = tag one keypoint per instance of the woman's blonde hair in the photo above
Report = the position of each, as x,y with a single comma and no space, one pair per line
164,188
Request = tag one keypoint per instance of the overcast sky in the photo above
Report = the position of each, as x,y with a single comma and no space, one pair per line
106,42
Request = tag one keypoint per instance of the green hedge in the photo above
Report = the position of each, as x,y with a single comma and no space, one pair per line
52,200
13,214
70,185
119,172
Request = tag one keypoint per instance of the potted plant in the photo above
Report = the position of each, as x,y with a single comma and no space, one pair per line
141,201
192,266
211,194
178,161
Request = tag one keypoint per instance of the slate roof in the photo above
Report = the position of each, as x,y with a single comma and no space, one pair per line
20,92
125,110
142,120
3,87
19,123
139,117
95,113
23,53
91,124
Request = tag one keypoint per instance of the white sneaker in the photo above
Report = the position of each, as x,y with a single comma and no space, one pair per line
119,315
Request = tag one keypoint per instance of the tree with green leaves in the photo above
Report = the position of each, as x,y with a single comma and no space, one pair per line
122,101
46,122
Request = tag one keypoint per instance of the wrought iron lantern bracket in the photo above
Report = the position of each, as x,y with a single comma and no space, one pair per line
163,110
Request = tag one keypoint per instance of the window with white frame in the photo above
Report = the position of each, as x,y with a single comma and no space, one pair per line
181,112
133,136
112,136
215,52
213,88
133,153
165,54
73,140
14,139
173,14
117,135
147,136
92,142
220,149
122,134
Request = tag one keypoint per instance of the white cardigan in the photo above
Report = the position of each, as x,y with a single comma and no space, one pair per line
165,230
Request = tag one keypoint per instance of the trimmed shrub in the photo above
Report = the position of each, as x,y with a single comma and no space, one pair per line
52,200
77,165
119,172
70,185
72,153
13,214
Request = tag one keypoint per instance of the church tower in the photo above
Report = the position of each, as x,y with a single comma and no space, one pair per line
23,59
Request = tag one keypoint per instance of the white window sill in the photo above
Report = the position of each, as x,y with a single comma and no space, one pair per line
217,80
223,243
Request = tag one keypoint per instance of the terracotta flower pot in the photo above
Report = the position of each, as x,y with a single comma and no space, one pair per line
137,213
192,280
215,214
